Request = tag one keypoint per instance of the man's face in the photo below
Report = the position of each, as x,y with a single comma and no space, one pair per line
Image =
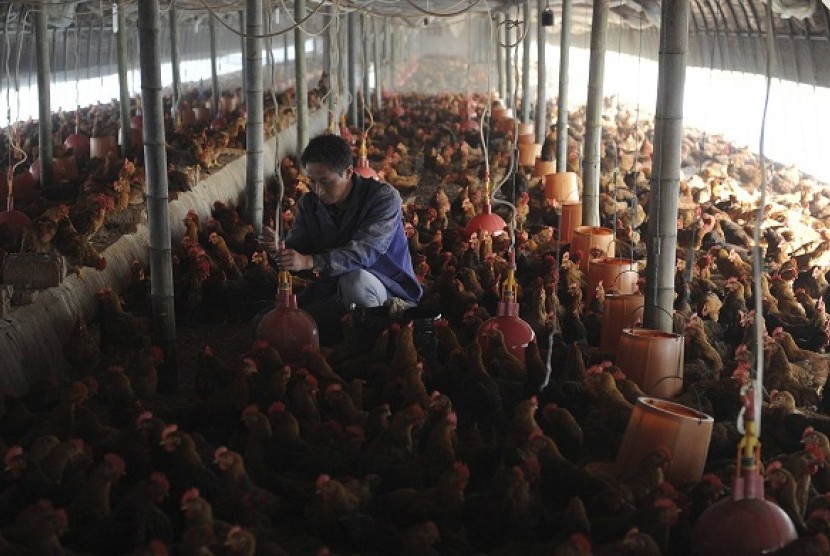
330,186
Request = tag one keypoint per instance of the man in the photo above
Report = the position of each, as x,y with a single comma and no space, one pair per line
349,230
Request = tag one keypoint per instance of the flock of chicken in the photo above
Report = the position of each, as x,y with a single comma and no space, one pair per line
389,444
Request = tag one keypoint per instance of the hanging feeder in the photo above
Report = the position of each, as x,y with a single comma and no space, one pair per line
486,220
14,220
654,424
287,328
653,359
517,333
619,311
616,274
592,240
78,142
362,167
528,152
562,187
543,167
744,524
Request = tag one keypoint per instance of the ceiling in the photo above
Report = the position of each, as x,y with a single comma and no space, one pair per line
724,34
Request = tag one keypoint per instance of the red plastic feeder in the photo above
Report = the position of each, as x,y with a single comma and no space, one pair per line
14,220
362,167
487,221
745,524
287,328
517,333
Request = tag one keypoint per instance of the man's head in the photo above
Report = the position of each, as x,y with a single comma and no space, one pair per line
328,163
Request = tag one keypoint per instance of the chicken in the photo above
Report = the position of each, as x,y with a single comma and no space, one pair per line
77,249
120,329
781,486
35,530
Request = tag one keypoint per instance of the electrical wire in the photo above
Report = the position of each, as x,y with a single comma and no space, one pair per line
214,15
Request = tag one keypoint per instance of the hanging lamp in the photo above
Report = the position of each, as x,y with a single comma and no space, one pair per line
287,328
517,333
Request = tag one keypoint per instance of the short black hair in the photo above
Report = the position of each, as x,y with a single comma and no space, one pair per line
331,150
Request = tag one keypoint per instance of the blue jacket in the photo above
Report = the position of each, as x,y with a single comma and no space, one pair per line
370,236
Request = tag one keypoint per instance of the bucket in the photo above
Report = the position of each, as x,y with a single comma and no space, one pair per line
526,129
653,359
543,167
528,153
615,273
100,147
570,220
590,239
620,310
684,432
562,187
187,115
526,139
202,114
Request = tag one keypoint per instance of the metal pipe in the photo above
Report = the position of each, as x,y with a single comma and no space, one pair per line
562,102
366,92
174,57
393,76
155,168
541,76
242,52
214,71
44,124
123,86
593,117
499,58
508,63
331,39
378,88
387,55
352,73
254,131
526,63
89,48
661,239
302,78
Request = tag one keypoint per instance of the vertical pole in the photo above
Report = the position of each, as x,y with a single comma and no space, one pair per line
302,78
242,55
661,239
174,57
526,62
393,77
331,40
499,57
378,73
593,117
562,106
123,86
285,70
254,131
214,72
352,67
387,54
364,66
508,63
155,167
43,90
541,76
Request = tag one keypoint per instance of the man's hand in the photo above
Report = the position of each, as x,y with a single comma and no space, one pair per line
292,260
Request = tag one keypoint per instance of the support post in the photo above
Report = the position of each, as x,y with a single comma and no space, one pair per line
499,57
155,167
526,62
378,73
332,39
508,63
254,131
393,76
123,85
43,90
366,93
593,115
243,56
174,57
301,77
352,67
661,239
215,92
562,101
541,76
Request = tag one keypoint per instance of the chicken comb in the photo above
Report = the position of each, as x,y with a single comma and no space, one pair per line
452,418
309,348
773,465
116,461
301,372
550,408
62,518
311,380
160,479
81,389
619,374
190,495
79,443
355,431
191,213
12,453
260,344
665,503
582,543
772,394
815,451
577,255
807,431
207,351
442,323
168,430
276,407
252,408
219,452
334,387
250,363
713,480
594,370
462,470
322,480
